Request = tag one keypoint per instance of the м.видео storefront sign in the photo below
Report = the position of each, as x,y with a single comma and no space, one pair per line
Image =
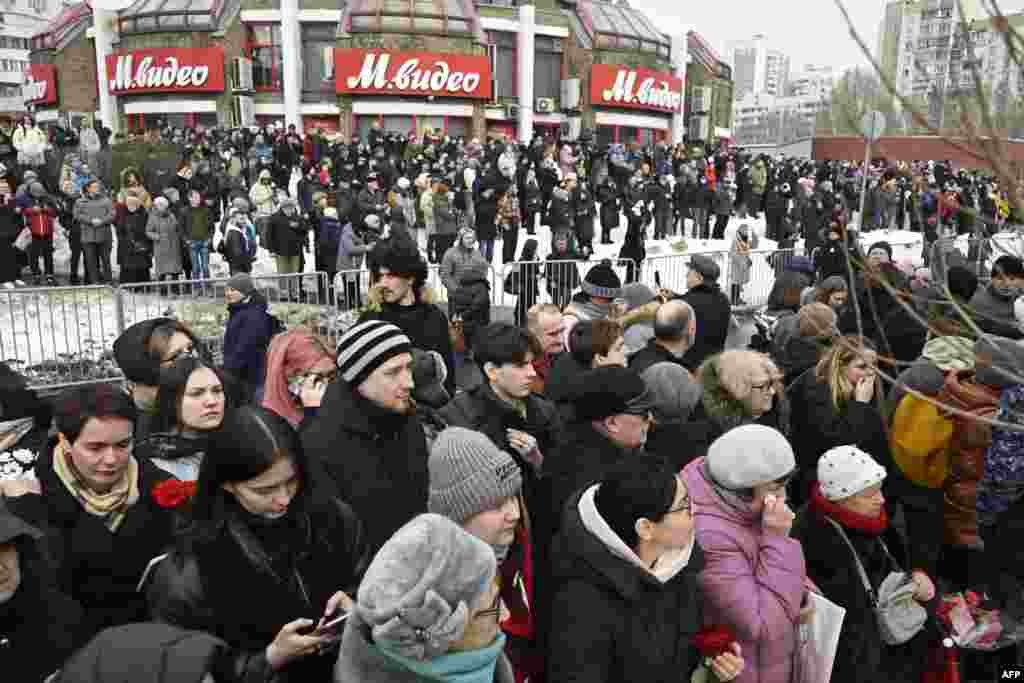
167,70
378,72
612,85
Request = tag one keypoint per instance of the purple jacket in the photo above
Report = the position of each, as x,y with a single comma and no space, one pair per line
752,581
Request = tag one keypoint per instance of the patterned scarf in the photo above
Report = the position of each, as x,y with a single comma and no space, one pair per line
111,506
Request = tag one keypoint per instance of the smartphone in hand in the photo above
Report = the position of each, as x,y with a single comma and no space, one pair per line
332,626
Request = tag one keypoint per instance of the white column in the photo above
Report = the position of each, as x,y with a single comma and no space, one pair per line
680,58
103,39
525,52
291,63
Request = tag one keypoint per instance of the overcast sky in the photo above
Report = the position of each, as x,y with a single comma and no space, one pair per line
810,31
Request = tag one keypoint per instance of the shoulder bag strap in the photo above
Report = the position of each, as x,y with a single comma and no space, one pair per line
895,564
856,558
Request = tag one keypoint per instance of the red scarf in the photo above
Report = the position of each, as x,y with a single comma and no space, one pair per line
873,526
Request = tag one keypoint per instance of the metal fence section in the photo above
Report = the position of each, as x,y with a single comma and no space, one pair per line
60,336
297,299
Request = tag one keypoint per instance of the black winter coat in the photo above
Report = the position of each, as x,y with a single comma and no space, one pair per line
134,248
253,580
39,626
376,459
11,225
862,656
246,340
98,569
714,313
816,426
612,621
286,235
608,195
651,354
472,302
426,325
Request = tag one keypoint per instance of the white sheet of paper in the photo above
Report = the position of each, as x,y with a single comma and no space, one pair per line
824,630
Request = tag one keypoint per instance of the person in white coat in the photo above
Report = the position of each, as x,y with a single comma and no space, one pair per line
30,140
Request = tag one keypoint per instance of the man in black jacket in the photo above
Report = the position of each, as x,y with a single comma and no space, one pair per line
399,276
675,328
367,435
710,306
287,236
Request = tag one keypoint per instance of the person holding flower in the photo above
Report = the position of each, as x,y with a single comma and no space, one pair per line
93,500
627,604
265,555
754,579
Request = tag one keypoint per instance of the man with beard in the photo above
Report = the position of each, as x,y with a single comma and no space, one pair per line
399,276
367,435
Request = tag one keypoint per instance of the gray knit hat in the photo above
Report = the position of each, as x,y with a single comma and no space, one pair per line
366,346
417,594
469,474
749,455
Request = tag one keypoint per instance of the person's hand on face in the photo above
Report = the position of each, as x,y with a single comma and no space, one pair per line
776,516
865,389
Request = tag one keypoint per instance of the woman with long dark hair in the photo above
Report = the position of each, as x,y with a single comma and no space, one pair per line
191,403
264,554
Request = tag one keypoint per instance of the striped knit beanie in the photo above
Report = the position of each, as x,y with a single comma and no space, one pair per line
366,346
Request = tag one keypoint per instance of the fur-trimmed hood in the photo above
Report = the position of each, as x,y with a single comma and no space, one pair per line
728,412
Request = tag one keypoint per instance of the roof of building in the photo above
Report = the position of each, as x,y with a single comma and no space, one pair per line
437,17
145,16
620,27
62,27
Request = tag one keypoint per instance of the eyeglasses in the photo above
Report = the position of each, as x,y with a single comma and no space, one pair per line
326,377
767,385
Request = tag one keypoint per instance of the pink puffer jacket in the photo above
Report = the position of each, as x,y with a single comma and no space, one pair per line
753,582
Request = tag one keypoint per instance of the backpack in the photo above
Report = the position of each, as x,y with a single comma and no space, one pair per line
920,437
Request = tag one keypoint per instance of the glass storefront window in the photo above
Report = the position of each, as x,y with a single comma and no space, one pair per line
318,43
264,49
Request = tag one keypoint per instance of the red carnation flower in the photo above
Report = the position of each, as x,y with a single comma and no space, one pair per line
172,493
714,640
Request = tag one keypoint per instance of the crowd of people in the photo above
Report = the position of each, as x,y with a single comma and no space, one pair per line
614,494
329,199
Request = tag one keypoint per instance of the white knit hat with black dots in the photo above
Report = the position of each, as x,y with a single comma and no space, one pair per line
845,471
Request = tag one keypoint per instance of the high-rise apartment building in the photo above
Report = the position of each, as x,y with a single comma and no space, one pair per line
812,81
757,68
19,21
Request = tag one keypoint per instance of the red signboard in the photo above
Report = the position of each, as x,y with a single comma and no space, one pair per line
166,70
612,85
40,86
377,72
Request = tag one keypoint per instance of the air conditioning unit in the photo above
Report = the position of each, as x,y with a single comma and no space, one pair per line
698,128
243,111
569,130
512,111
571,93
241,74
545,105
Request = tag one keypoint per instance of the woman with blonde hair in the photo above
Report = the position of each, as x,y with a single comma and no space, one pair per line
741,387
299,368
837,403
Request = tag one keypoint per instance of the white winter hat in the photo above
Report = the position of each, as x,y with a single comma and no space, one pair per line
845,471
